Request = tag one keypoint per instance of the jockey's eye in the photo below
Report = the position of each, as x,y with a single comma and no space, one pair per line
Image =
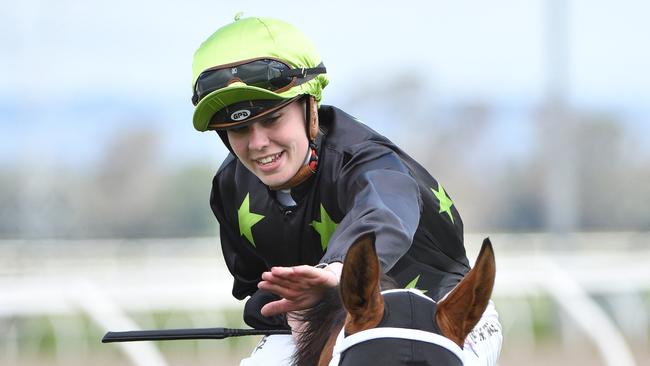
270,120
238,130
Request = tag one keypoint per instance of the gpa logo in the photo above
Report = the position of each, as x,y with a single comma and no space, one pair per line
240,115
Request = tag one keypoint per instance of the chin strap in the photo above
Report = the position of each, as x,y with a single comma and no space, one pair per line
307,170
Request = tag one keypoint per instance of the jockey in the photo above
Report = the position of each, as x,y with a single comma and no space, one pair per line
304,180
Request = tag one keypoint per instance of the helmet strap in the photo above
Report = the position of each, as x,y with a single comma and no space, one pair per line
307,170
311,110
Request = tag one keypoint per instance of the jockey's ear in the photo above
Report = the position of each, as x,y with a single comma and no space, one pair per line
360,286
459,312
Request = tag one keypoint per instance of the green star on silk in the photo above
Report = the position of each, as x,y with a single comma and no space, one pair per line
445,201
247,219
413,284
325,227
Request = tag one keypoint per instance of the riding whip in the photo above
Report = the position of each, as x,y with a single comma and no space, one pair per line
195,333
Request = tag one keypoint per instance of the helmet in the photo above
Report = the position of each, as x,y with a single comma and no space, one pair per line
252,67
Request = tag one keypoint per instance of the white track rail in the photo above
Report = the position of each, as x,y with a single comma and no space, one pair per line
108,279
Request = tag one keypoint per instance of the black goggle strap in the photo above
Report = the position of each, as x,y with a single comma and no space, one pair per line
303,72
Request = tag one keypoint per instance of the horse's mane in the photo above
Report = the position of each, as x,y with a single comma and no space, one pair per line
321,321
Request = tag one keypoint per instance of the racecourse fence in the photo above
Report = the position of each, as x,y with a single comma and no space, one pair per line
597,283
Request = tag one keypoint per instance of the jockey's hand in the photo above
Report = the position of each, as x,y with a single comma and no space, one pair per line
300,287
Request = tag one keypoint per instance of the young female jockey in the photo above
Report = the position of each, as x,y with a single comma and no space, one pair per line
304,181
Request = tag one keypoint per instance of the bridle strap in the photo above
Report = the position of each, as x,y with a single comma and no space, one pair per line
343,343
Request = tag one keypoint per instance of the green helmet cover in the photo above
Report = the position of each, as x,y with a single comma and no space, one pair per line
253,38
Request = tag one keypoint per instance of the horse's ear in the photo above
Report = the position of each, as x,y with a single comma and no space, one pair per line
360,285
459,312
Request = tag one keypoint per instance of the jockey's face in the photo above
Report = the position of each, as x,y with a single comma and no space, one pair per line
275,147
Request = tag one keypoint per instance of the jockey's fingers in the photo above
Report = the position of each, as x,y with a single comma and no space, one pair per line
274,308
288,284
297,273
318,276
305,273
280,276
305,269
297,295
287,293
283,306
302,285
311,272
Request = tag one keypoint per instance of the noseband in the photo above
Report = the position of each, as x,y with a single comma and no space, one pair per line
344,343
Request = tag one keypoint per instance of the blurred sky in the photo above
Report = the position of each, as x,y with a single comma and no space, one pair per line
74,72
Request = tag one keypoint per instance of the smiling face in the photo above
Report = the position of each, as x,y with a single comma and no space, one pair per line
275,147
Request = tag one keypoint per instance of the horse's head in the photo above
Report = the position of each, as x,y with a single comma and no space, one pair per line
403,327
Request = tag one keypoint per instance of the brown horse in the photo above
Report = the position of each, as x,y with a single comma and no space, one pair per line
361,325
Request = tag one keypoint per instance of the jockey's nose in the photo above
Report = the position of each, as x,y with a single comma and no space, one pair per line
258,137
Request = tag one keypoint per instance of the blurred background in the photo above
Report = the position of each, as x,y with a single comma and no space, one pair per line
534,115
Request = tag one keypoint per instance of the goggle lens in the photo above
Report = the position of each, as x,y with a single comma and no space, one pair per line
267,74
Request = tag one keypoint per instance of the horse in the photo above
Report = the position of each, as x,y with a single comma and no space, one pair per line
358,324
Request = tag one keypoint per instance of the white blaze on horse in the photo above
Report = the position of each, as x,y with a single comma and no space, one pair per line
365,326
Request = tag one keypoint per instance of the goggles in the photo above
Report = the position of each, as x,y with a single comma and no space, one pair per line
267,73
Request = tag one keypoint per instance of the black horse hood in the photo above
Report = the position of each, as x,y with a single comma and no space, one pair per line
410,311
